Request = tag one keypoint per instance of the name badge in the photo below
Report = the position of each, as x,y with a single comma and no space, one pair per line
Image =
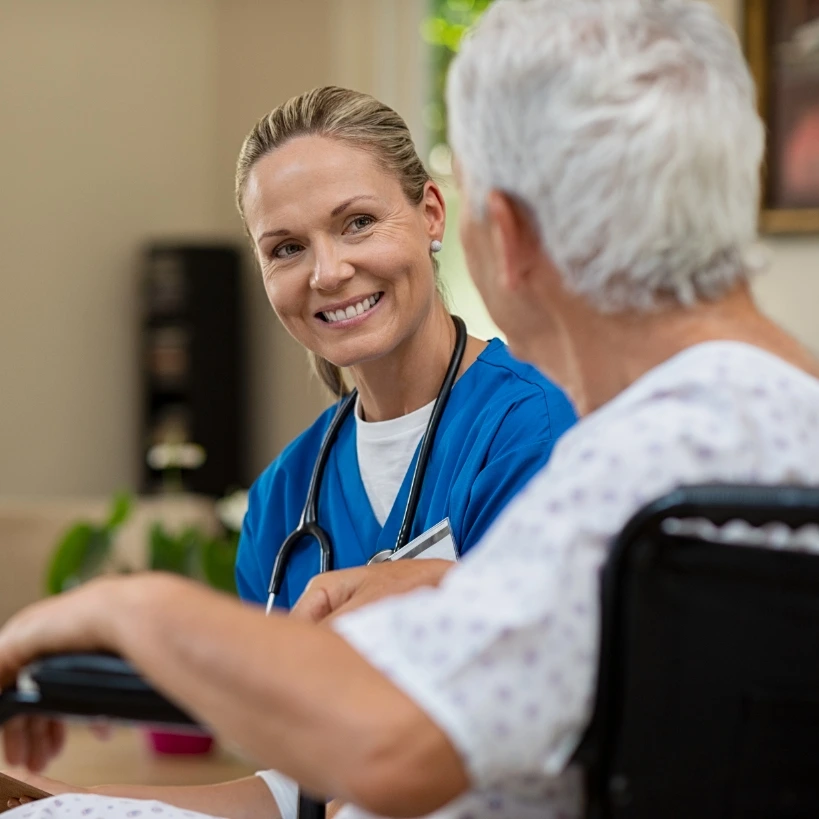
437,542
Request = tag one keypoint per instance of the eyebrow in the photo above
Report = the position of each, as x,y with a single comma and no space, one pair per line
339,209
336,211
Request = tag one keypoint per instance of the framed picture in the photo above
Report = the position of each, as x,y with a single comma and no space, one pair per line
782,46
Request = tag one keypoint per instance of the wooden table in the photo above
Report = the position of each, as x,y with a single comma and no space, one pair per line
126,758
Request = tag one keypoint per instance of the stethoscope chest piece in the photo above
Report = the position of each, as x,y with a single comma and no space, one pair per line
381,557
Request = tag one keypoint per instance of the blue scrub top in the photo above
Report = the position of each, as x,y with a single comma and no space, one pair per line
498,429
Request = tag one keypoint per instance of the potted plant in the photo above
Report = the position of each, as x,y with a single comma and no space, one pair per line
88,548
192,553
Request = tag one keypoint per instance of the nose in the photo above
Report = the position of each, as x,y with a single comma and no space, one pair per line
330,271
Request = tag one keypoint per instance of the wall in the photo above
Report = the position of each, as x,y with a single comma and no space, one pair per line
121,121
789,289
107,138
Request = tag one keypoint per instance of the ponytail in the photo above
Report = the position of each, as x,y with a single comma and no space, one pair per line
330,375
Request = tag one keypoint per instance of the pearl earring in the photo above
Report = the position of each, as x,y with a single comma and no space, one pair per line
435,246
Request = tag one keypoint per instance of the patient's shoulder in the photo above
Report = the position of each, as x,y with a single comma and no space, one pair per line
721,411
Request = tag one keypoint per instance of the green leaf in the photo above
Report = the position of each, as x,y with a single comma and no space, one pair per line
120,511
78,557
218,561
177,554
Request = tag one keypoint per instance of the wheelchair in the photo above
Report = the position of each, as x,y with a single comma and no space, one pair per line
707,700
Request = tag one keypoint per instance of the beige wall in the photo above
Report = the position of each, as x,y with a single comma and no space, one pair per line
108,137
121,120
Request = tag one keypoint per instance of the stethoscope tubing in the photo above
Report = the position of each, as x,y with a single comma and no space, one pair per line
427,441
308,521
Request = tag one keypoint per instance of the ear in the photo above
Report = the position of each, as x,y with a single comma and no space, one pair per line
434,209
514,238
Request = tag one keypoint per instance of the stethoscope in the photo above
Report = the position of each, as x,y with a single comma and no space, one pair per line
308,523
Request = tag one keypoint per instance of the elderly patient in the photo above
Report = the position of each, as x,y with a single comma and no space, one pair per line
608,155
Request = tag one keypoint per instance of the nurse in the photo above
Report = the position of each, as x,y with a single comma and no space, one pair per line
345,221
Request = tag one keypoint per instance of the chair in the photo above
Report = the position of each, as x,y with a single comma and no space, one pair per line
708,691
102,686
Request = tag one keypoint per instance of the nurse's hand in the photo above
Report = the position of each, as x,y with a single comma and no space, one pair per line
32,741
335,593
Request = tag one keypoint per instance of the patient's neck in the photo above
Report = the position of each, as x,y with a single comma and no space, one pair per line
605,354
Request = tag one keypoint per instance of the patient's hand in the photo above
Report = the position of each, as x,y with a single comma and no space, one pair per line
335,593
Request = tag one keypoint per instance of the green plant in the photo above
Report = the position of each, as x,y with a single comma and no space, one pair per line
192,553
88,549
443,30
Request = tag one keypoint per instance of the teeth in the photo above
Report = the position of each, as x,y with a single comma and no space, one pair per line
352,311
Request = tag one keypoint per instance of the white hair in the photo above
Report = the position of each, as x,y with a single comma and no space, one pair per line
628,128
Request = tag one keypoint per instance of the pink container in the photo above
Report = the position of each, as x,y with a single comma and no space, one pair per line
166,742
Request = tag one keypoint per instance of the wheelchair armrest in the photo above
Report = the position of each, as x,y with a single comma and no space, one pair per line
89,685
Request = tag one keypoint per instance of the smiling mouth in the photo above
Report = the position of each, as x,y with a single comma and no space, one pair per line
353,310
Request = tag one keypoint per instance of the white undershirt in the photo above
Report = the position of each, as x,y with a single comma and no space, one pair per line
385,450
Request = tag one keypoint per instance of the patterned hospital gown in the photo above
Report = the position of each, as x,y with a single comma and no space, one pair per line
511,683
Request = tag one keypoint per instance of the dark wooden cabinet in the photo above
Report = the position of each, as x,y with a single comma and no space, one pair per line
193,382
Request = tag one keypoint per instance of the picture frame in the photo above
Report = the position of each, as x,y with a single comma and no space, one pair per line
781,40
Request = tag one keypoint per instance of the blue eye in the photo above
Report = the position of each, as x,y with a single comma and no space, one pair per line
361,223
286,250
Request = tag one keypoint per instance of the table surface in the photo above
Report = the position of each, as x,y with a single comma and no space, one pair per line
126,758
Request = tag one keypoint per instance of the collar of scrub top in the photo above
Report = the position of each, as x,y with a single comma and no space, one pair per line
308,522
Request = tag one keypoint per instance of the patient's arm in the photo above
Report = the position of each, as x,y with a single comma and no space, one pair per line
336,593
297,698
247,798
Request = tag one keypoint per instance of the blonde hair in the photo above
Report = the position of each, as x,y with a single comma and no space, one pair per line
351,117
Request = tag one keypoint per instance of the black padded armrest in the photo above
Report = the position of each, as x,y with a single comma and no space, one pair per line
89,685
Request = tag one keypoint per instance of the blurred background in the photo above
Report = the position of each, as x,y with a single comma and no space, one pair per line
137,349
122,122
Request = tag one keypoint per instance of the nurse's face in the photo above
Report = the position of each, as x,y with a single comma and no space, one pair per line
344,255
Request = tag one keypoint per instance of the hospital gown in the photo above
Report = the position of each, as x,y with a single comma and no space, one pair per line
511,682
